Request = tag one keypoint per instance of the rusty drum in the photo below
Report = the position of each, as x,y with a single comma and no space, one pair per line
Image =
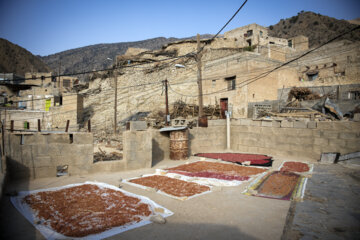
179,145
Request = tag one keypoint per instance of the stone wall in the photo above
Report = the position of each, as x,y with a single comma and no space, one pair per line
36,155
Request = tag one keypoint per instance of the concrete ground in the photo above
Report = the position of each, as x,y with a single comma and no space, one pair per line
224,214
330,209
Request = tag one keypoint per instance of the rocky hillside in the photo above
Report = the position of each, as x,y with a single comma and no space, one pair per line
316,27
98,56
15,59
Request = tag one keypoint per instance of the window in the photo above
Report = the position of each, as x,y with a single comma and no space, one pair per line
58,100
312,75
261,34
354,95
249,33
213,83
272,42
231,83
249,42
66,83
290,43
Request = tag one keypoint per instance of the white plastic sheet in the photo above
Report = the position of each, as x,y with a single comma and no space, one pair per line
49,233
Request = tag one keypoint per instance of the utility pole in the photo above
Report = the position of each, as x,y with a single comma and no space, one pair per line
115,102
59,75
198,59
167,118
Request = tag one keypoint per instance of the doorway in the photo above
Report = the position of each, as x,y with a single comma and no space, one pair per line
223,107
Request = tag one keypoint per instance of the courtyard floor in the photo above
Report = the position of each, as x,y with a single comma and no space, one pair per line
225,213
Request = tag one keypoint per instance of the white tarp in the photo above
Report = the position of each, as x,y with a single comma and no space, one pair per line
128,181
49,233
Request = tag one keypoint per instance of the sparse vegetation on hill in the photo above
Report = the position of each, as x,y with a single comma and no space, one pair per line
97,56
15,59
316,27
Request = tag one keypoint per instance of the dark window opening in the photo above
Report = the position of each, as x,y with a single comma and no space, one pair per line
312,76
249,33
272,42
213,83
66,83
231,81
249,42
71,138
290,44
354,95
261,34
58,100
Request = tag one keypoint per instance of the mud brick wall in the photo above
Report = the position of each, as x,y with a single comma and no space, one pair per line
137,149
297,140
36,155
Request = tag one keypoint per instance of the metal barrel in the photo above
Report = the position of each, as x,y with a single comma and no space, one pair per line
179,145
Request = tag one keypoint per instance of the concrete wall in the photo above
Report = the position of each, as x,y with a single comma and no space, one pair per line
36,155
210,139
137,149
296,140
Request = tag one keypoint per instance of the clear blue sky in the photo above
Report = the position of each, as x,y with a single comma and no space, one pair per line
48,26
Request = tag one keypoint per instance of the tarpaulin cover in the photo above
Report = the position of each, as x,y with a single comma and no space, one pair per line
254,159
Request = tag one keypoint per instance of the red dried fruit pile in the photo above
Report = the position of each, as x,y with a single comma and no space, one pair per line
175,187
279,185
255,159
216,170
86,209
295,167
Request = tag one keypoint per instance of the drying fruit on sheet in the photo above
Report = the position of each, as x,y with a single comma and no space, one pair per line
216,170
278,185
171,186
86,209
295,167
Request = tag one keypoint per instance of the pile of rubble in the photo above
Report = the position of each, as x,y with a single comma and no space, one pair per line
303,103
181,110
104,156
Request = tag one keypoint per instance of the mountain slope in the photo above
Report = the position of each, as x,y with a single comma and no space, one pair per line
316,27
18,60
97,56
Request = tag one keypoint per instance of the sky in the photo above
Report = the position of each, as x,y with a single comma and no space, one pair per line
45,27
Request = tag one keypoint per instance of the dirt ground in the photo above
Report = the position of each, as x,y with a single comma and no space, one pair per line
225,213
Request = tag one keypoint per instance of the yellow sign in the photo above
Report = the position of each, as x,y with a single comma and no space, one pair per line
47,104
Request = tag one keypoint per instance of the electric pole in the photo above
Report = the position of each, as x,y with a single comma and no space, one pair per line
115,102
198,59
167,118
